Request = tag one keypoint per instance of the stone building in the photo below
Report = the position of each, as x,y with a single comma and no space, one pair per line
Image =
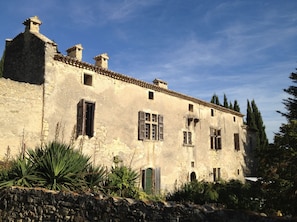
169,137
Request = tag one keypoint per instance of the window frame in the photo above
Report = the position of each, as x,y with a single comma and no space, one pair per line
187,138
236,141
150,126
215,139
85,118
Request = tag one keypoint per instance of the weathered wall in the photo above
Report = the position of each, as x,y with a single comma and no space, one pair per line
49,112
116,126
19,204
21,113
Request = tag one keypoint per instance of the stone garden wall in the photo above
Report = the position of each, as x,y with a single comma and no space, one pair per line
20,205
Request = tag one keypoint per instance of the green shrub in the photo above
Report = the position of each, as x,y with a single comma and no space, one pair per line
121,181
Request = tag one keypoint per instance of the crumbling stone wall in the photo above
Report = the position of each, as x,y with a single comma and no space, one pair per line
20,204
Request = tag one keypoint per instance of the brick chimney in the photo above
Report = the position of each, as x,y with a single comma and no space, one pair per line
75,52
32,24
102,60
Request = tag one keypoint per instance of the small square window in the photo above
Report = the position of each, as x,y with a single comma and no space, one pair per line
192,164
151,95
88,80
191,107
234,119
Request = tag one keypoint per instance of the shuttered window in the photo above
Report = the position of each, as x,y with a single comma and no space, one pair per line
150,126
85,118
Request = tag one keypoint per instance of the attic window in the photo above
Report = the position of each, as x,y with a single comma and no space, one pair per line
88,80
191,107
151,95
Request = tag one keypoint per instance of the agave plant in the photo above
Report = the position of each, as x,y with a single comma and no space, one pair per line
59,166
95,177
21,173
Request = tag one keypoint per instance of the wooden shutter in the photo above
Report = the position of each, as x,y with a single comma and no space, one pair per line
81,116
141,125
157,180
161,127
89,120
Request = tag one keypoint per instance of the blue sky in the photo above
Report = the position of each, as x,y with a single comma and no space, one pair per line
245,49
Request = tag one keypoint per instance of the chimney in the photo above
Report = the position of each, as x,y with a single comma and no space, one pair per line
32,24
160,83
102,60
75,52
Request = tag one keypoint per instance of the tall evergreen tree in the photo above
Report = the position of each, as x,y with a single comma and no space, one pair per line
230,105
236,106
262,138
225,101
215,99
291,102
250,118
2,64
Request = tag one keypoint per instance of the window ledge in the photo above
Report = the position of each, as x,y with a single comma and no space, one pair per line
188,145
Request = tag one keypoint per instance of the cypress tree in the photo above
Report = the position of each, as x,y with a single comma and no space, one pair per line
2,64
250,118
215,99
226,101
236,106
262,138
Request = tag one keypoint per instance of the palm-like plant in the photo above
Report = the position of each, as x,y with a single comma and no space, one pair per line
59,167
21,173
95,177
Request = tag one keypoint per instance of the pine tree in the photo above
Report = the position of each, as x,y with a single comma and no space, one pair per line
291,102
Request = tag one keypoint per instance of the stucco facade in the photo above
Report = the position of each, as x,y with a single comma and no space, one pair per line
170,138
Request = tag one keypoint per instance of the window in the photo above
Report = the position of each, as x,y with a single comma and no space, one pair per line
85,118
88,80
236,141
216,174
150,126
187,138
151,95
215,139
191,107
192,164
211,112
234,119
151,180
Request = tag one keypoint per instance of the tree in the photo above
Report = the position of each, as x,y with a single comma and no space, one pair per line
2,64
262,138
226,101
278,163
236,106
250,118
291,102
215,99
